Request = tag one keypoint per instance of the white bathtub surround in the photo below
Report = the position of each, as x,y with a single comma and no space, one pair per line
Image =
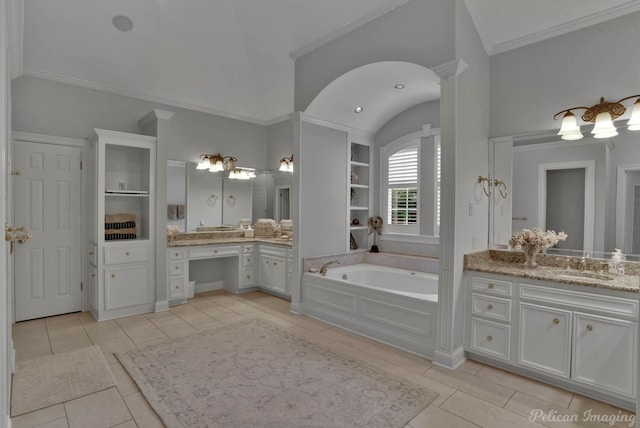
395,306
394,260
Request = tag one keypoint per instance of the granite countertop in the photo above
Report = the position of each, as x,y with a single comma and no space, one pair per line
218,238
560,269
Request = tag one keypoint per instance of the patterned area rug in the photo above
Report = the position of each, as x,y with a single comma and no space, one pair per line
253,374
45,381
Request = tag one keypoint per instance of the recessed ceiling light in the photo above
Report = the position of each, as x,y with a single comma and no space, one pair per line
358,109
122,23
399,86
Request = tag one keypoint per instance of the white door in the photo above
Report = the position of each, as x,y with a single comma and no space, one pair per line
46,192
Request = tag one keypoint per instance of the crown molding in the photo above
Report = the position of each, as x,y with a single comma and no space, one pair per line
138,95
450,69
49,139
15,12
375,14
554,31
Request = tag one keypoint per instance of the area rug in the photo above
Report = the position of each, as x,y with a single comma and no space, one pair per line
53,379
254,374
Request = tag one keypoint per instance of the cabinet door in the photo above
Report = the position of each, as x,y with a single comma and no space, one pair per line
545,339
126,286
605,353
279,274
264,271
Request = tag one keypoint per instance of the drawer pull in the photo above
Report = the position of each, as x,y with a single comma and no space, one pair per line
215,251
490,286
113,275
128,253
589,327
489,338
93,275
489,307
91,253
177,267
177,287
556,321
275,263
177,254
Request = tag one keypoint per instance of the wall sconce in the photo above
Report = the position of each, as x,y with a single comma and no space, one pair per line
486,183
216,163
286,164
603,115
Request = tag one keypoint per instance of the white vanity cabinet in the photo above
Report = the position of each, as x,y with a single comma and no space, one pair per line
578,337
120,172
272,270
178,267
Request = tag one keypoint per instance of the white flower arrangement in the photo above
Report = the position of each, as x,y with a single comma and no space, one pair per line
172,231
536,238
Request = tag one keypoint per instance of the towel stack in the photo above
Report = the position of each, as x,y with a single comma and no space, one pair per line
119,226
286,227
175,212
265,227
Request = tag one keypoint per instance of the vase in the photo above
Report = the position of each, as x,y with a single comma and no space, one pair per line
530,255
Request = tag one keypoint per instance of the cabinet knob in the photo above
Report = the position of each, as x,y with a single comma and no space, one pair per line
215,251
489,338
113,275
177,267
556,321
489,307
490,286
91,253
248,276
275,263
589,327
177,254
177,287
128,253
93,275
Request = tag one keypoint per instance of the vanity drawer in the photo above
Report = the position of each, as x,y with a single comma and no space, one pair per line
491,307
491,285
247,260
177,287
580,300
247,277
272,250
93,254
247,249
129,254
490,338
212,252
177,254
177,267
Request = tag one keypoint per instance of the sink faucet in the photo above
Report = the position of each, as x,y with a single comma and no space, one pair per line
323,268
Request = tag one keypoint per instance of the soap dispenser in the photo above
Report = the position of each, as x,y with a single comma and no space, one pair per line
616,264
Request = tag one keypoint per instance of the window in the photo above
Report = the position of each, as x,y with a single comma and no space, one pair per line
402,193
410,178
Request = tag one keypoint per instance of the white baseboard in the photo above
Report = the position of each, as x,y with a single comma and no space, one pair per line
209,286
162,305
449,360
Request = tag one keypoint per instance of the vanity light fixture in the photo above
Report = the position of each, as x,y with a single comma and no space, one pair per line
602,114
240,173
216,163
286,164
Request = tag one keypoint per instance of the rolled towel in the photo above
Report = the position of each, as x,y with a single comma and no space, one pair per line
119,218
131,230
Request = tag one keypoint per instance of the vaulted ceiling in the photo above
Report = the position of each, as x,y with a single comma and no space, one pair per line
235,57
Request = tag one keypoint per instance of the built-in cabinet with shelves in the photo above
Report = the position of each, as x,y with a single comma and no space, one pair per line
121,223
581,338
359,194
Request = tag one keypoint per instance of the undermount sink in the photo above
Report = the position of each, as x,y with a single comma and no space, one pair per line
585,275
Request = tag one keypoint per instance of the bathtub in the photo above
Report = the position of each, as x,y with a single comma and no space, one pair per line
394,306
419,285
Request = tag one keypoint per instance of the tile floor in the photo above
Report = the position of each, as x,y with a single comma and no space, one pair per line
474,395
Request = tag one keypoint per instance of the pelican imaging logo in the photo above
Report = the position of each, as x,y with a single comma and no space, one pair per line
540,415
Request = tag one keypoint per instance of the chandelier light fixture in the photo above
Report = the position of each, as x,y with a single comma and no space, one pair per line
286,164
603,115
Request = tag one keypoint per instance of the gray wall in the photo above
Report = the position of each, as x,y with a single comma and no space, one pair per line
421,32
47,107
530,84
323,191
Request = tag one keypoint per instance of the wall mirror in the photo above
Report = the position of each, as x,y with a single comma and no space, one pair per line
588,188
201,198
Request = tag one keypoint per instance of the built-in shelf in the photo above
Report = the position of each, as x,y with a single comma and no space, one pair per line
359,208
360,186
355,163
127,192
358,227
